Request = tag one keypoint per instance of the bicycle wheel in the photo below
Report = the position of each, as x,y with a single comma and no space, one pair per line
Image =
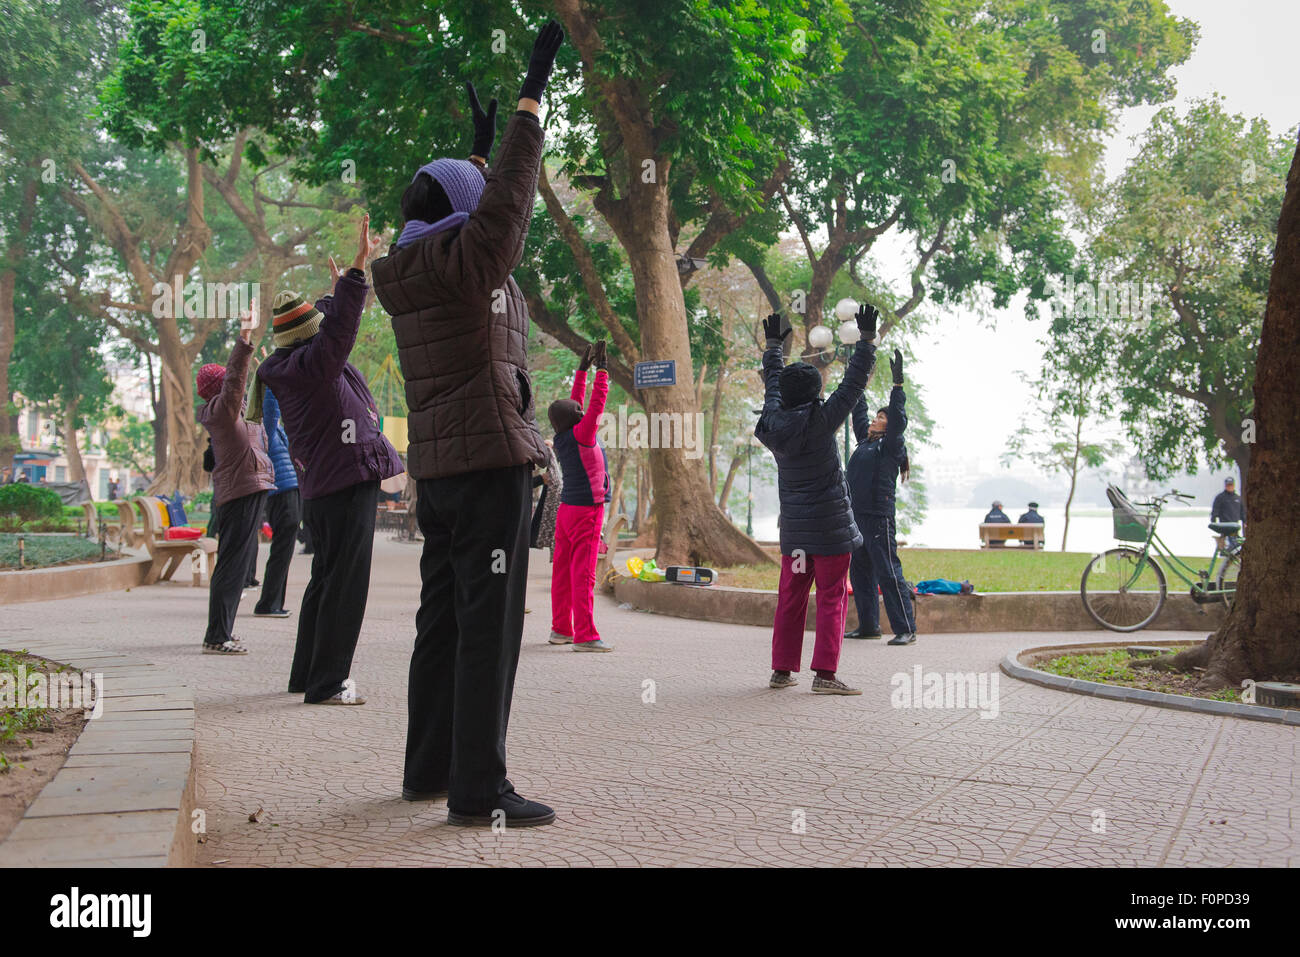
1122,590
1227,579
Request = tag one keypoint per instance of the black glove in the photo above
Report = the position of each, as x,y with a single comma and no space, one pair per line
775,330
485,124
601,358
540,63
585,362
867,316
896,367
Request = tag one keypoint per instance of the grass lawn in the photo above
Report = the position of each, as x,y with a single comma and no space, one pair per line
1112,667
43,550
988,569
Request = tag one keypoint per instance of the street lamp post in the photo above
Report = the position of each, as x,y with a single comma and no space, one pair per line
823,339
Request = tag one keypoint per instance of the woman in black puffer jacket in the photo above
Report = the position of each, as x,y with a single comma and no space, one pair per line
817,531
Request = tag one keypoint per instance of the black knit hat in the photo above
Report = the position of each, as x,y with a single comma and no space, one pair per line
800,383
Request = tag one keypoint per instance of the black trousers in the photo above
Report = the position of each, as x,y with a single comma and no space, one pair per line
474,570
875,563
236,547
342,527
284,512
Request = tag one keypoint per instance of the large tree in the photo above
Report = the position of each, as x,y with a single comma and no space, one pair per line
1258,639
49,53
1191,222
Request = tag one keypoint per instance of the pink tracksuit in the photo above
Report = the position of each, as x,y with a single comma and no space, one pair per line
581,515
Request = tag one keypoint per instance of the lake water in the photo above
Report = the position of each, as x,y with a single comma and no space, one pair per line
1091,529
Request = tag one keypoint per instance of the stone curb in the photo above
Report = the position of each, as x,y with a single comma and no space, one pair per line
1252,712
935,614
71,581
124,795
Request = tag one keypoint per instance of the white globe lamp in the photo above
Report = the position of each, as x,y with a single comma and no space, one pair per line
845,310
819,337
850,333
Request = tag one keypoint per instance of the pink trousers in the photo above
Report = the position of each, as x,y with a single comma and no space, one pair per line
573,575
829,571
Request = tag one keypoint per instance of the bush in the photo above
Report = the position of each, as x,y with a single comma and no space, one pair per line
202,499
21,502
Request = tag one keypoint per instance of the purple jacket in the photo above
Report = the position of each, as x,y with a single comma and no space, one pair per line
325,404
238,446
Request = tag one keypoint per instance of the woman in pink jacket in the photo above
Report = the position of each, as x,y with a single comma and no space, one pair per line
586,489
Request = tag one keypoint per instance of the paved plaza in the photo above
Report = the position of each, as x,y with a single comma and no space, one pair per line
673,751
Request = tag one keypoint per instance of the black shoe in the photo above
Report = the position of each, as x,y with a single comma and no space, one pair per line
907,639
511,809
859,633
410,794
280,613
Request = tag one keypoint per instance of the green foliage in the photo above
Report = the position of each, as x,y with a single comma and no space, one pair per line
132,443
1195,215
41,551
22,502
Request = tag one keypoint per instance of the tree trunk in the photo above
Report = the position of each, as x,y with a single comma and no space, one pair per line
72,448
719,388
730,479
1074,478
159,422
183,470
9,441
1258,638
690,528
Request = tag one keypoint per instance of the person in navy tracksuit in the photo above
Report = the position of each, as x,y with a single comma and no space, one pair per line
283,512
873,471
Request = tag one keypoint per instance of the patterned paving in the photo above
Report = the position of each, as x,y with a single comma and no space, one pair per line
672,751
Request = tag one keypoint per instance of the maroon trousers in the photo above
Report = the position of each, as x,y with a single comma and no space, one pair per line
797,576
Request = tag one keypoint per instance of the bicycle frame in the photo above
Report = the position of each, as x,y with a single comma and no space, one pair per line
1192,578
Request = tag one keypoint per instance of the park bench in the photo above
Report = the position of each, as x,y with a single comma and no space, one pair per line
94,522
167,554
1029,534
128,534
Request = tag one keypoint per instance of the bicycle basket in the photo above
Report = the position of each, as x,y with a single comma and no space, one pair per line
1130,524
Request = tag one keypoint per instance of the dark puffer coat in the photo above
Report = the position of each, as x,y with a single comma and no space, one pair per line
461,324
816,517
875,463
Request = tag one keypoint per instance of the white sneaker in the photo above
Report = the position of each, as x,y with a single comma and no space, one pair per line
347,696
231,647
597,645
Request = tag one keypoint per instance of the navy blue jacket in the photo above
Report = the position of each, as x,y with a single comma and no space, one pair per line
286,476
875,463
996,515
1227,507
816,517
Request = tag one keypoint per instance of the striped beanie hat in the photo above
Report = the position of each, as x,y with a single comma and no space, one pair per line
293,319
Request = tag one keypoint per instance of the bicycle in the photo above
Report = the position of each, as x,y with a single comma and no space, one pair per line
1124,588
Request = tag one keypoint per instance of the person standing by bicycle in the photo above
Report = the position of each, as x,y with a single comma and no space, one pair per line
1228,507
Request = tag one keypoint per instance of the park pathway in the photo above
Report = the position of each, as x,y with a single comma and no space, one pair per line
673,751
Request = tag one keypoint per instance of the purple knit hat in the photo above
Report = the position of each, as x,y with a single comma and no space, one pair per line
463,184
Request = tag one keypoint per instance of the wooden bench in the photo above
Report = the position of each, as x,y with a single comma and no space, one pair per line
1029,534
167,554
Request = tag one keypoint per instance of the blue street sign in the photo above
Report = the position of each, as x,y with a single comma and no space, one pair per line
646,375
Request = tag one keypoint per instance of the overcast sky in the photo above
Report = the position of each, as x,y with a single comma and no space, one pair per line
1245,53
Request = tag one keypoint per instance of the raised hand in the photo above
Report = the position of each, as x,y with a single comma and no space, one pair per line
601,357
775,330
542,60
896,367
867,317
587,355
366,247
485,124
248,321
